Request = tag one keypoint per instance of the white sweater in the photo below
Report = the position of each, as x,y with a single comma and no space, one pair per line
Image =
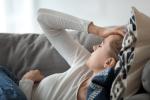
61,86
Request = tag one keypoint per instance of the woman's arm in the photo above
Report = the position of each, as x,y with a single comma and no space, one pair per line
65,21
54,24
57,20
106,31
96,30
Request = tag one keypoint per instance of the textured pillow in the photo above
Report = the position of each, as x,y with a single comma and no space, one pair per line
146,77
22,52
141,52
134,54
123,65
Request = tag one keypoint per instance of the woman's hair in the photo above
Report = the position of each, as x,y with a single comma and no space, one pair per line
115,48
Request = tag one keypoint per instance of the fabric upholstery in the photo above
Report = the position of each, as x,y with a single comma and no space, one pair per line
146,77
143,96
141,52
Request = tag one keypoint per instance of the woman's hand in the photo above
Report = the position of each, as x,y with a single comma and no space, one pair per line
115,30
106,31
34,75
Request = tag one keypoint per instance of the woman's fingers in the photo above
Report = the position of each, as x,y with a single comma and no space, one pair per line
113,31
34,75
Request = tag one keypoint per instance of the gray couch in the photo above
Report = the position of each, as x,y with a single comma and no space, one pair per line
22,52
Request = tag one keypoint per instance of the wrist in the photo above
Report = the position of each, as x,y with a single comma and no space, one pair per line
92,28
97,30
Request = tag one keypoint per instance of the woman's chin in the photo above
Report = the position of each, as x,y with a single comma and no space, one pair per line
93,66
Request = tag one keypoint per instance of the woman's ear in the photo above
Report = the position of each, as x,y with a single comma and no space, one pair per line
110,62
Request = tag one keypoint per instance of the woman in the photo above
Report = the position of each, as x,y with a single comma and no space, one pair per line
74,83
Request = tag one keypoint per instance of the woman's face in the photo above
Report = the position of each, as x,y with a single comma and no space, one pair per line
101,53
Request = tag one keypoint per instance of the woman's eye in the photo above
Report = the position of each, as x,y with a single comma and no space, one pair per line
99,45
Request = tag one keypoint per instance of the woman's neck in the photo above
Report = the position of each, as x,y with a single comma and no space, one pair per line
93,75
90,78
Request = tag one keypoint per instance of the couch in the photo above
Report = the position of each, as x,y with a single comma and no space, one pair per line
22,52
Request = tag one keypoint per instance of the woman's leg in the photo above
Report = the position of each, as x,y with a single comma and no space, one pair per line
9,89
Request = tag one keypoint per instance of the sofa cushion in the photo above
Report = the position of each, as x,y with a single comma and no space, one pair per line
139,97
22,52
146,77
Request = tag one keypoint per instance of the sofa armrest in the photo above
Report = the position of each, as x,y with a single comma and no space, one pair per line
144,96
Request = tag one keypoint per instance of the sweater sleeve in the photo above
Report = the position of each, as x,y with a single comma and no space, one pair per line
54,24
57,20
26,86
